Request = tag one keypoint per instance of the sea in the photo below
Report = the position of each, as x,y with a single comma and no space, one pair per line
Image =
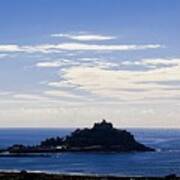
165,161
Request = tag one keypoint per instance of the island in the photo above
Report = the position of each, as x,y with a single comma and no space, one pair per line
102,137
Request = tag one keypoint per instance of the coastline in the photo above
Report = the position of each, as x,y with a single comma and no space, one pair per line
139,157
38,175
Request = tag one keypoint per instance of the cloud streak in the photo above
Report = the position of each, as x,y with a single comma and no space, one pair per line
57,48
84,37
54,64
154,62
29,97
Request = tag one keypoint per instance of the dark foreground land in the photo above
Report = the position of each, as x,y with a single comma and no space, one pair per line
42,176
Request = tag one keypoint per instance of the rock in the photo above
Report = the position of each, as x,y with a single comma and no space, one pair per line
101,137
104,137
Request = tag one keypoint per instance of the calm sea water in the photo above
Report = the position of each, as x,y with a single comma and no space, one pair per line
165,161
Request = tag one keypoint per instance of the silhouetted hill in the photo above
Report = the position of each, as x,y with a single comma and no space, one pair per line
101,137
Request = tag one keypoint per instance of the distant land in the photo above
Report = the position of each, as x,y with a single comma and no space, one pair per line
23,175
102,137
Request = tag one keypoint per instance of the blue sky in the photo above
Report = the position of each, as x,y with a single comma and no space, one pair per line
69,63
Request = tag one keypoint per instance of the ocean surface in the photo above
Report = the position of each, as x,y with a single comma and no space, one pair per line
165,160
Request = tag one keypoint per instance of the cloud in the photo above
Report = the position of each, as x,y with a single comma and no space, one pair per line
63,94
61,84
95,47
49,64
3,55
9,48
5,93
86,62
126,84
57,63
154,62
52,64
85,37
29,97
105,79
160,61
58,48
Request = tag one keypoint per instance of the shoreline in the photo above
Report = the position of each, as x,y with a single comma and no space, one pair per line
41,175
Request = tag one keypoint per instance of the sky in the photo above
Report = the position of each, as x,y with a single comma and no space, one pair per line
66,63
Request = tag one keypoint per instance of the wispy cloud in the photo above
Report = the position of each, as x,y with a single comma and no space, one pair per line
62,94
96,47
85,37
57,48
126,84
154,62
9,48
3,55
86,62
50,64
29,97
61,84
5,93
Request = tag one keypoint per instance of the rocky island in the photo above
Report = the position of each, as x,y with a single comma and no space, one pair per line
102,137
